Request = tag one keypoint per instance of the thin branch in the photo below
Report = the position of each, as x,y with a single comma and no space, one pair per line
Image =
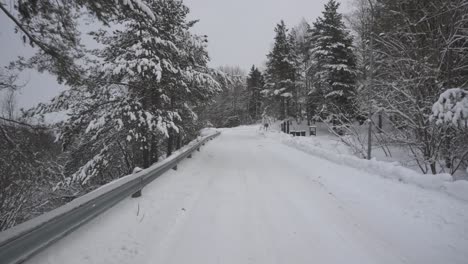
31,38
22,123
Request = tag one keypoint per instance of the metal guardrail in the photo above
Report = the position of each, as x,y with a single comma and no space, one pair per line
23,241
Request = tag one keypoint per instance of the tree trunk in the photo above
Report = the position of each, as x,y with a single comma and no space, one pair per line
170,145
179,141
433,167
380,122
281,115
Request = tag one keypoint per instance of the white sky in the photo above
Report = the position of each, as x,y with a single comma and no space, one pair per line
240,32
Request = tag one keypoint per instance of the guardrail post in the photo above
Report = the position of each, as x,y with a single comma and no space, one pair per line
138,193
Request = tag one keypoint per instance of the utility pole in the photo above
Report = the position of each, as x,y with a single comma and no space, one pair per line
370,83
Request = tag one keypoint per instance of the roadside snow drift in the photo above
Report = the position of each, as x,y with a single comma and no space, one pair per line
441,182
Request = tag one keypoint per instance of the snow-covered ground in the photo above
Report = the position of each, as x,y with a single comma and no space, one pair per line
249,198
330,148
389,153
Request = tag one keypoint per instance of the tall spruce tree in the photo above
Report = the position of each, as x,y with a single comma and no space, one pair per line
141,99
255,84
301,60
334,64
280,74
295,60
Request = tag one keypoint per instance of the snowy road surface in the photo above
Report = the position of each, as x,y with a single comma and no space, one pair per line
248,199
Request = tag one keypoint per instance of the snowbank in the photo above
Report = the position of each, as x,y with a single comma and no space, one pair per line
394,171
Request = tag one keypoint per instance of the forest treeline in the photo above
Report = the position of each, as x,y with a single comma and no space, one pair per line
396,70
390,74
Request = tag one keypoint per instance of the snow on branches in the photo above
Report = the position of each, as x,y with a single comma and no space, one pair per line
140,99
140,5
451,108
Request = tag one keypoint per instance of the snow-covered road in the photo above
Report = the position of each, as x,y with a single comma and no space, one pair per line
246,198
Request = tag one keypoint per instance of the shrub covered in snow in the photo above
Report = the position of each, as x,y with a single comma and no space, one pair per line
452,107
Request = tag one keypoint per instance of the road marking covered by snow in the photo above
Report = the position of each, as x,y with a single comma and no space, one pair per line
249,199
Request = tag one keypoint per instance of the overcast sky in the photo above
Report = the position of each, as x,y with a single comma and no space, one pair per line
240,33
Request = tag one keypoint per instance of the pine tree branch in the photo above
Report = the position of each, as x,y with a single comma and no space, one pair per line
23,29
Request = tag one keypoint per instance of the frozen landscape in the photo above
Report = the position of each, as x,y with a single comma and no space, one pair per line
248,198
220,131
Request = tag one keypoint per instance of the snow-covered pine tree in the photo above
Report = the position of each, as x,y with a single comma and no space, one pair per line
255,84
452,108
52,28
142,96
294,59
332,53
302,62
279,87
